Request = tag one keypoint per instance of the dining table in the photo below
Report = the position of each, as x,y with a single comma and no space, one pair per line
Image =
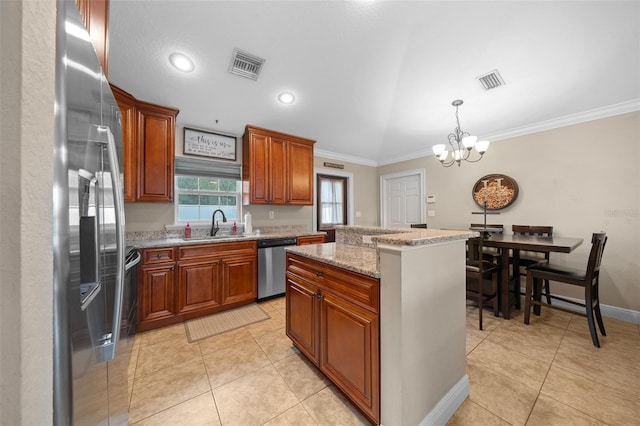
512,243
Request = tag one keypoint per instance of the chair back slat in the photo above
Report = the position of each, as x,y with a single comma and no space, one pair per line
538,231
598,241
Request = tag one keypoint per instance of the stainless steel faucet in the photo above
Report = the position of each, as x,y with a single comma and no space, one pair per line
214,224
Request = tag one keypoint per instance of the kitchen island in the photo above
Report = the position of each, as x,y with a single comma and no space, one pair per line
414,317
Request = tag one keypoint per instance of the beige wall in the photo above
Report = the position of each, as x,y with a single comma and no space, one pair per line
27,94
580,179
365,188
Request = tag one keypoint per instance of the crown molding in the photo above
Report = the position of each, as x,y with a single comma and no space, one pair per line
342,157
567,120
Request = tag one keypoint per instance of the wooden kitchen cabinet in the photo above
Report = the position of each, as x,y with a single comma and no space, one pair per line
213,277
156,151
277,168
311,239
95,14
332,317
156,286
127,105
190,281
148,141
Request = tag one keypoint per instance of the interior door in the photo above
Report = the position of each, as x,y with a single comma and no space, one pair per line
402,197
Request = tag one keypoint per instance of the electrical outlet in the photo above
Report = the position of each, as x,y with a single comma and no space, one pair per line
358,213
431,213
366,239
271,214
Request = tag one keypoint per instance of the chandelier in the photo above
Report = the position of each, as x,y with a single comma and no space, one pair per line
461,143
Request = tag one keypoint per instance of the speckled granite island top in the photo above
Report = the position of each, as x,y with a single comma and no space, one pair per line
355,246
362,260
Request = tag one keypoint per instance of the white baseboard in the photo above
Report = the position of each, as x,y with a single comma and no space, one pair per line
447,406
608,311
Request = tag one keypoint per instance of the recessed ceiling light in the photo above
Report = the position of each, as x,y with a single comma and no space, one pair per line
181,62
286,97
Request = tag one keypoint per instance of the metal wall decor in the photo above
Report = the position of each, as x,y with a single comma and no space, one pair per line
498,191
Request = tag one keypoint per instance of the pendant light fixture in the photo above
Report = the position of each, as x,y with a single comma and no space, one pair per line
460,144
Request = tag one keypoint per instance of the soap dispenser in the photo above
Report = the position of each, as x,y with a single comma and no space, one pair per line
247,224
187,231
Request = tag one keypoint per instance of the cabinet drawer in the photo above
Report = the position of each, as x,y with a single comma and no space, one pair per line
158,255
311,239
217,250
357,288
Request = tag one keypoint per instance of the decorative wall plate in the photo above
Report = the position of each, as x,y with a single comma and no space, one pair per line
499,191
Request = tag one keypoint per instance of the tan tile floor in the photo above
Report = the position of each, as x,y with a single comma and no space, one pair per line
547,373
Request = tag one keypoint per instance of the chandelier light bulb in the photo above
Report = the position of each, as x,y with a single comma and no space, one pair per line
482,147
439,149
469,141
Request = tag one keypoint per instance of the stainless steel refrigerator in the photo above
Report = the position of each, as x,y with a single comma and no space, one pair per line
92,345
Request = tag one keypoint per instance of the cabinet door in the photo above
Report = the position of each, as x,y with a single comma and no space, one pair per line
256,155
349,343
156,128
302,317
198,285
156,292
95,14
127,103
278,171
239,279
300,173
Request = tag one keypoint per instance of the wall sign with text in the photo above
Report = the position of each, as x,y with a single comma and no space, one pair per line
209,144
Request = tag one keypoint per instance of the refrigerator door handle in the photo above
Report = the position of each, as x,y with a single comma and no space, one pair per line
109,345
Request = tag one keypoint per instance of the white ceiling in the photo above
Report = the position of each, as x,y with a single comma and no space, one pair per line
374,80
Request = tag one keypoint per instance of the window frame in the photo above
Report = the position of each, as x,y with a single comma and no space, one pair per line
345,198
178,192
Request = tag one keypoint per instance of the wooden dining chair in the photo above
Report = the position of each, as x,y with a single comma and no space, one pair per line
589,280
528,258
480,272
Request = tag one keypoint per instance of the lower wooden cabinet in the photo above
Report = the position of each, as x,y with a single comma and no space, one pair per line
198,285
185,282
156,287
332,317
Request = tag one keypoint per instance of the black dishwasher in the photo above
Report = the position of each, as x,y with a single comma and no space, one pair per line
272,266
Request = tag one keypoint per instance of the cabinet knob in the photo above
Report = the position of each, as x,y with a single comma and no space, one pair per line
320,297
158,255
319,274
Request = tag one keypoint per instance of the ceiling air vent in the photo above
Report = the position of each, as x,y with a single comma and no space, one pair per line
245,65
491,80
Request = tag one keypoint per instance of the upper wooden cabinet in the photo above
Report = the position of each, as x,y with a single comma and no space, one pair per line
156,151
148,139
277,168
95,14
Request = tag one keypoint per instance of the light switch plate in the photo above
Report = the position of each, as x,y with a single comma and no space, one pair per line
431,213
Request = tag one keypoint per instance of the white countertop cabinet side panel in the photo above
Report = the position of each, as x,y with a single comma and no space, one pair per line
422,328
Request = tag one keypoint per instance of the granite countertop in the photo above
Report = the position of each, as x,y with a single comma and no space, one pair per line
418,237
174,240
350,252
363,260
